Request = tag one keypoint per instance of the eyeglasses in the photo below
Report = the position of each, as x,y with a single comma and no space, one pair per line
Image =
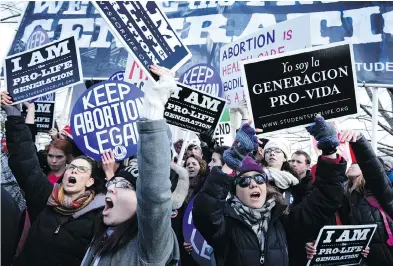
245,181
80,169
118,184
276,150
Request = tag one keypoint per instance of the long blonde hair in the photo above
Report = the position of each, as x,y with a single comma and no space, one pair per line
359,184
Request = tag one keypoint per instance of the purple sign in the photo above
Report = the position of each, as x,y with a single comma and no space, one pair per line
201,251
204,78
104,118
117,76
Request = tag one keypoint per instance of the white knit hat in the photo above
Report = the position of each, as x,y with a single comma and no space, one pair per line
280,143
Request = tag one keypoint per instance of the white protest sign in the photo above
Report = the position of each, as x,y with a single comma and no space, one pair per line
280,38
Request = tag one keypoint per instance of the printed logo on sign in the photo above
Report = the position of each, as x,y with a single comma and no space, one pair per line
117,76
120,152
104,118
37,38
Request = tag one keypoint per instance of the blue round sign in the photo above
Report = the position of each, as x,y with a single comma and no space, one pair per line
201,251
104,118
117,76
204,78
37,38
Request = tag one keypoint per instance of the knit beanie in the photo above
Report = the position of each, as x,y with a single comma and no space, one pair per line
245,143
129,173
279,143
247,165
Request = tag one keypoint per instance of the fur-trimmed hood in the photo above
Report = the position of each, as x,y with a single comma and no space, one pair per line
181,189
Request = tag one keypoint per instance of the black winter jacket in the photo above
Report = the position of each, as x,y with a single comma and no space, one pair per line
361,212
302,189
235,243
53,239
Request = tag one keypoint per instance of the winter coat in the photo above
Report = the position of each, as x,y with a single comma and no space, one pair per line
53,239
233,240
302,189
11,227
155,243
359,211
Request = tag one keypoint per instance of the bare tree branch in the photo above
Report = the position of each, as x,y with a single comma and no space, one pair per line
384,114
390,131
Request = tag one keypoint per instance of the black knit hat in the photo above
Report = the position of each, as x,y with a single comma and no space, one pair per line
130,173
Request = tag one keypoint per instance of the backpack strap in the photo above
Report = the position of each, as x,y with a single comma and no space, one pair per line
373,202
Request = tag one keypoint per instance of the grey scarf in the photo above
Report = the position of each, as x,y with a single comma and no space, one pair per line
258,219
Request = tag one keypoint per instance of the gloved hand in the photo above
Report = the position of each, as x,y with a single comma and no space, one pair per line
207,137
157,96
326,135
245,143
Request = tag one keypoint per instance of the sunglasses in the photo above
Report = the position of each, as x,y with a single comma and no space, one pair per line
245,181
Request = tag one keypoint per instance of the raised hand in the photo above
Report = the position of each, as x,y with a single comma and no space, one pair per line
6,104
350,136
156,97
245,143
108,164
325,133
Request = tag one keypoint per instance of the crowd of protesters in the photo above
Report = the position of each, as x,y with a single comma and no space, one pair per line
255,203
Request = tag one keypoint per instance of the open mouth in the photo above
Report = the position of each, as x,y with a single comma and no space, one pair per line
255,195
72,180
108,204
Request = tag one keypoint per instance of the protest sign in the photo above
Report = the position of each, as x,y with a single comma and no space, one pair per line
117,76
43,70
223,134
36,39
145,32
204,78
342,244
104,118
44,113
277,39
289,90
366,24
193,110
200,249
134,74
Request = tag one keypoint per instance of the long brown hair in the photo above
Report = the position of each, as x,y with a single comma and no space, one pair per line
272,192
120,237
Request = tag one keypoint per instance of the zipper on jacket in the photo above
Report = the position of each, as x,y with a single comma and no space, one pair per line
57,229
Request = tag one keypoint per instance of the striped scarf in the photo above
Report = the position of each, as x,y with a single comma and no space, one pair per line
258,219
64,204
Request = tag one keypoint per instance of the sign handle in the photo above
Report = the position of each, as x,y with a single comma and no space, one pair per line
183,147
63,117
374,119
